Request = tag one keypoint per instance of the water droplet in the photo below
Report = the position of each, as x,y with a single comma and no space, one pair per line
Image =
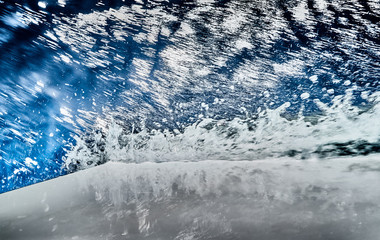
314,78
305,95
42,4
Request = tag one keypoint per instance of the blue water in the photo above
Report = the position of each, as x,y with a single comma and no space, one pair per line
69,68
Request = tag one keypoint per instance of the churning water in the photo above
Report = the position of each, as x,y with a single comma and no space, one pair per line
87,82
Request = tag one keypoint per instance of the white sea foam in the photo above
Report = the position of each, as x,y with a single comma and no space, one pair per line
340,129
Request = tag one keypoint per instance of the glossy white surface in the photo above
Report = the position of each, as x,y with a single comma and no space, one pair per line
271,199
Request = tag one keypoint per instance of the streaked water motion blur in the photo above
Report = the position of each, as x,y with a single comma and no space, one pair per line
87,82
70,69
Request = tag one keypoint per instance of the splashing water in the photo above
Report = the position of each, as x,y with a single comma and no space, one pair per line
340,130
183,80
205,119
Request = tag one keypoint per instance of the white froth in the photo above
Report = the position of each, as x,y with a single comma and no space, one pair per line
272,135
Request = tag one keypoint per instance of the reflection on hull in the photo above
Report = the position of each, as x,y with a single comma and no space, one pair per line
271,199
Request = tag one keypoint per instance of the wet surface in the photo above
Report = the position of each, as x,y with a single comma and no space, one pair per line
271,199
